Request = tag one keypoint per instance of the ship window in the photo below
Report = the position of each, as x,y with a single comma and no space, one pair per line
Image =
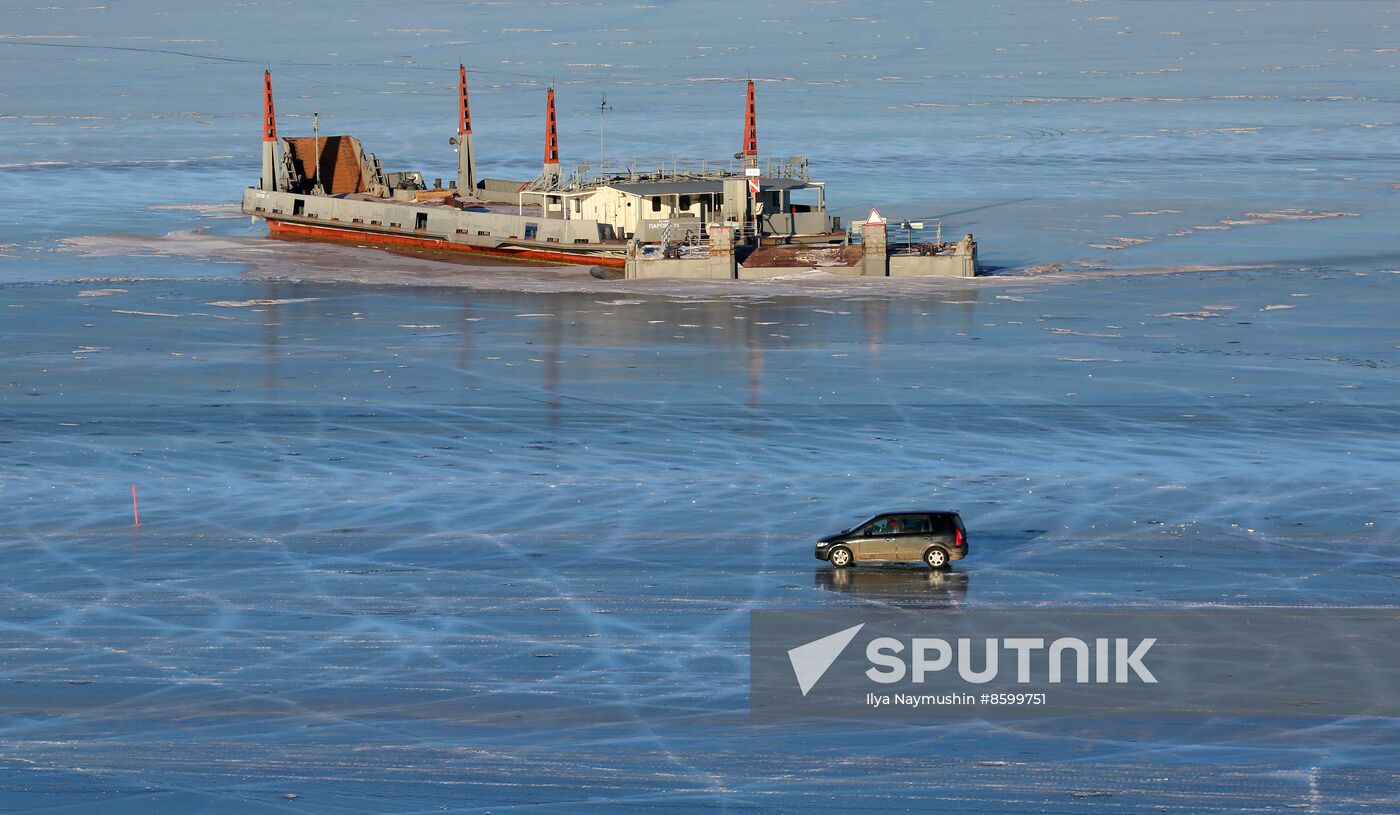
391,223
298,207
357,220
656,203
580,240
483,232
420,221
552,240
376,223
531,230
685,202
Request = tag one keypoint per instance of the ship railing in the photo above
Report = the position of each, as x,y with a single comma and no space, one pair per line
744,232
679,231
669,238
606,170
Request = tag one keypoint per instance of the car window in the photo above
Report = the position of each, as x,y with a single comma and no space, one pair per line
942,525
912,524
880,526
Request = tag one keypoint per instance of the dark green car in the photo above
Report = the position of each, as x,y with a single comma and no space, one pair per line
935,537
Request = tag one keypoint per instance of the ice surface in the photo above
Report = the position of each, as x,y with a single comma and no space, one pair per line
407,549
424,537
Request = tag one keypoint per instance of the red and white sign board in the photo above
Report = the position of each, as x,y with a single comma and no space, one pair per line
754,186
874,217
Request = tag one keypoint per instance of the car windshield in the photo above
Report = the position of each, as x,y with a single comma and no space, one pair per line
860,527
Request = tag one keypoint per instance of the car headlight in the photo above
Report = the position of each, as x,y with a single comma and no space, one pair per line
821,544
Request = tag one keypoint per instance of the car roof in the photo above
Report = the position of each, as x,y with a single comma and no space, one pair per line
916,512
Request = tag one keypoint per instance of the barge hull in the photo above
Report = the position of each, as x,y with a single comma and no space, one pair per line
362,237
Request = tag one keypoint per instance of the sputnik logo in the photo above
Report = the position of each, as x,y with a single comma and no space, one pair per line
811,661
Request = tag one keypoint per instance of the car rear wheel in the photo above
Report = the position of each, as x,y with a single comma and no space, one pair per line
840,557
936,558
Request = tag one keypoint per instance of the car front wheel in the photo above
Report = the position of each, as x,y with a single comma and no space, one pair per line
840,557
936,558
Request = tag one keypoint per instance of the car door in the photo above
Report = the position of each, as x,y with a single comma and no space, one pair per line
877,540
943,532
913,538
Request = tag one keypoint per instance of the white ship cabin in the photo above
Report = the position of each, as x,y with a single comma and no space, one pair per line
672,208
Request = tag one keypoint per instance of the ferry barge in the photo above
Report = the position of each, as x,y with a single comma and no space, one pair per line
674,222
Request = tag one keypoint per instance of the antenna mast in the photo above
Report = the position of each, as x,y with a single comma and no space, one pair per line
603,108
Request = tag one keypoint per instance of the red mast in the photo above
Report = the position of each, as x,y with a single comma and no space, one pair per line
270,180
466,153
551,132
269,118
750,151
464,109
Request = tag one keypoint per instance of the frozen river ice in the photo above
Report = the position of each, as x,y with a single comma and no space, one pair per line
421,537
405,549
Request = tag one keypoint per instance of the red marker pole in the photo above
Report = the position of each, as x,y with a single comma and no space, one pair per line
135,511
